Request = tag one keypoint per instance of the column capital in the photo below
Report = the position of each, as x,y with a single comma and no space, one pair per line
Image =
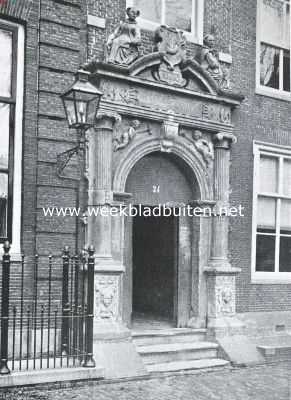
224,140
106,119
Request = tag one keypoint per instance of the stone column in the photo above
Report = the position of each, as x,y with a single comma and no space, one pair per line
113,348
220,274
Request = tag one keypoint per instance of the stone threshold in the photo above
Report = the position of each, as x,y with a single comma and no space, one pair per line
58,375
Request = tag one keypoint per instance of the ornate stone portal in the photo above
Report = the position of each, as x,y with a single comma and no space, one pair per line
146,109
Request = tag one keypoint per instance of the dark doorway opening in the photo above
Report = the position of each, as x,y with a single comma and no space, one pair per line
155,268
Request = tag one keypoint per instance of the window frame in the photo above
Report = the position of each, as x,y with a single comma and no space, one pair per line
261,89
15,138
11,101
197,18
280,152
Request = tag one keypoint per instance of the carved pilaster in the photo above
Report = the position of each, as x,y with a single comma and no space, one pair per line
219,248
100,193
220,274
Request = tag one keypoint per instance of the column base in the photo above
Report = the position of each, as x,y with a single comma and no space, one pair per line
113,348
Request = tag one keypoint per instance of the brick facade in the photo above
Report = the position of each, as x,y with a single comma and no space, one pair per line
58,41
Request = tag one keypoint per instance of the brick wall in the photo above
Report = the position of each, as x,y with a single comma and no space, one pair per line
259,118
56,37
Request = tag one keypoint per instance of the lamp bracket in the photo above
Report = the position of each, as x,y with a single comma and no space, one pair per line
64,158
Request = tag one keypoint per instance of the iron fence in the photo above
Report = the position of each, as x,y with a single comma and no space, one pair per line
47,312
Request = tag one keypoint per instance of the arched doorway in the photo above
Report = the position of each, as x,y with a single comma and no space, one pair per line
160,259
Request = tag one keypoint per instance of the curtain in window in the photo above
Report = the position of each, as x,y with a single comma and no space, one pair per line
269,66
5,63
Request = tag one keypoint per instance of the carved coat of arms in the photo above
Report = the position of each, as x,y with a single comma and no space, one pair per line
170,43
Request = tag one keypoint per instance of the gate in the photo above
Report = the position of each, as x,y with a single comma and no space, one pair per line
47,312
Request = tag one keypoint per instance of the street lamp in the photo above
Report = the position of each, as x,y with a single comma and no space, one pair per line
81,103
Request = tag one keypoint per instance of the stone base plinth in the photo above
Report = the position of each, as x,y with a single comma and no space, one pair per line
119,358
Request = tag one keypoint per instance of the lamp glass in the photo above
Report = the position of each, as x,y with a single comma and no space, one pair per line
81,104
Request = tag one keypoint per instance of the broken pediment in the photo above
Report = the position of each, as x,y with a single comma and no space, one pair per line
191,75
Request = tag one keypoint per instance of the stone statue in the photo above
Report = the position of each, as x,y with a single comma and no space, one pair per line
170,43
203,146
208,59
123,44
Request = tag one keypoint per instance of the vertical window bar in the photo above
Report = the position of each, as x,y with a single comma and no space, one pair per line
278,214
194,22
163,12
288,5
281,73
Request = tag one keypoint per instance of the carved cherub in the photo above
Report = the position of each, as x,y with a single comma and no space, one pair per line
123,44
125,137
204,147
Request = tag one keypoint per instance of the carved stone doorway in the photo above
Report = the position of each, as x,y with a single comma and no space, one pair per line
160,252
154,261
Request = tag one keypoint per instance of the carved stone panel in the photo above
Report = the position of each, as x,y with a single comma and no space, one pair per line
106,298
221,294
225,295
156,100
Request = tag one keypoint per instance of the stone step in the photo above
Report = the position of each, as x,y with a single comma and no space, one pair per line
161,353
175,335
175,366
276,348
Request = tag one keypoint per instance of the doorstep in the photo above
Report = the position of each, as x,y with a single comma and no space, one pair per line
44,376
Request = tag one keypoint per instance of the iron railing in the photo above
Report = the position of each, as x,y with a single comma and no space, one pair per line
47,312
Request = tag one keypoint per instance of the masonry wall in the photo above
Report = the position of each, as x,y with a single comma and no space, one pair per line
55,47
259,118
57,35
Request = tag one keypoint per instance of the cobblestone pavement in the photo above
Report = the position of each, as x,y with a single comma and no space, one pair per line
260,383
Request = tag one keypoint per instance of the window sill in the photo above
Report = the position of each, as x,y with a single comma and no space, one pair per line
275,94
271,278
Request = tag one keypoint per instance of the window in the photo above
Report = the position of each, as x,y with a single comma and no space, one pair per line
272,213
273,64
11,102
186,15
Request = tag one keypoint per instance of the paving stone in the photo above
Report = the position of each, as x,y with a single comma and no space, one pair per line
270,382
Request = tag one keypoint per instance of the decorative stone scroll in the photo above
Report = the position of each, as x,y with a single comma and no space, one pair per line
169,132
106,297
170,43
122,46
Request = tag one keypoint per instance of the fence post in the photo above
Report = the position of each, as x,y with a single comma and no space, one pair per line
4,370
65,301
89,360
